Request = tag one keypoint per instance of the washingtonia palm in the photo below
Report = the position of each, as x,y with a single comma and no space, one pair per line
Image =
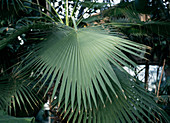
84,68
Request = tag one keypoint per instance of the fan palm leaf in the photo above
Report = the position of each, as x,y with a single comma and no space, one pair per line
138,107
77,63
15,93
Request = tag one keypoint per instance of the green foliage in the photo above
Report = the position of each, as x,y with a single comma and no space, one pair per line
15,93
9,119
94,5
139,106
123,10
83,68
81,62
10,9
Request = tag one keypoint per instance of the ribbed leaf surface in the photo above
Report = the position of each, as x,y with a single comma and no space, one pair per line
138,107
77,64
15,93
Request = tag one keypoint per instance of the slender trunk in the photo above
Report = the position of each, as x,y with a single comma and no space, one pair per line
168,10
156,79
66,10
146,75
48,7
161,77
146,17
49,98
39,8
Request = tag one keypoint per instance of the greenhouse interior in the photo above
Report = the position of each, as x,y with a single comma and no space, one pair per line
84,61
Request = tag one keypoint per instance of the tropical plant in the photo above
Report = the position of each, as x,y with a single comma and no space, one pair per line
82,67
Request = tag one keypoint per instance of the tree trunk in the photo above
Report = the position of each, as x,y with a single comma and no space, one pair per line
161,77
157,79
146,75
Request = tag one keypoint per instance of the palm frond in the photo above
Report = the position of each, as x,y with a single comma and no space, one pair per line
78,63
138,107
124,10
6,118
160,28
11,7
24,29
15,93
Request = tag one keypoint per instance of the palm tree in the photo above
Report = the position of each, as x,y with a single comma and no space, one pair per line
82,68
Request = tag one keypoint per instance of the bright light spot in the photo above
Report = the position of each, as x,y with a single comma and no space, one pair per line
86,15
150,89
71,2
19,38
46,106
52,4
108,5
100,1
56,4
22,42
61,16
85,9
31,74
116,1
98,11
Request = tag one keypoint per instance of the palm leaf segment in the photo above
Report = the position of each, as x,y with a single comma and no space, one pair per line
77,63
14,92
138,107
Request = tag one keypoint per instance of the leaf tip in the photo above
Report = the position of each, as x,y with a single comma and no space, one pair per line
148,47
58,105
125,97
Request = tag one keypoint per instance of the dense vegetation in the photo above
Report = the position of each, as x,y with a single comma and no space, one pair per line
77,64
